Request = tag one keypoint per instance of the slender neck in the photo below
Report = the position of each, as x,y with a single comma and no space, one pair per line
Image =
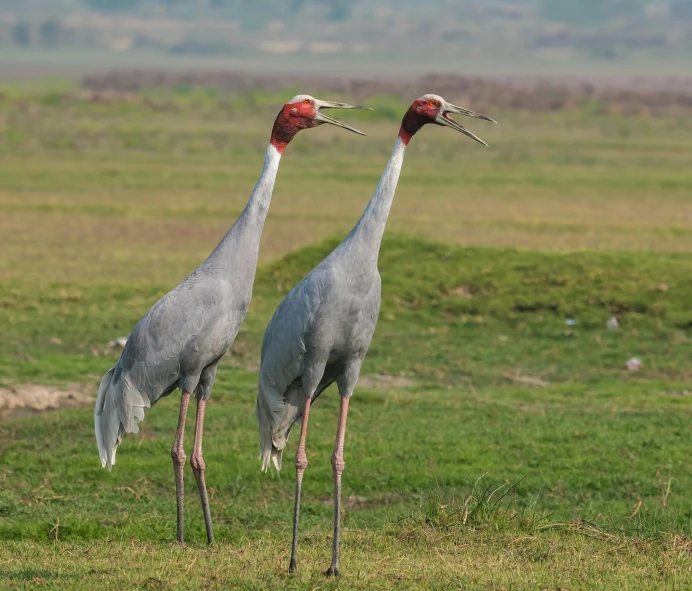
258,204
367,234
242,240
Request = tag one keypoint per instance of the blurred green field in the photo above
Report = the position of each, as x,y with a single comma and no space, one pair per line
473,375
143,187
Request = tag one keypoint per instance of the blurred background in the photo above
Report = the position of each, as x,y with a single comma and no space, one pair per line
349,36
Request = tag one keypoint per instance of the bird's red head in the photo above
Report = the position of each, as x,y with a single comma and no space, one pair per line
303,112
431,108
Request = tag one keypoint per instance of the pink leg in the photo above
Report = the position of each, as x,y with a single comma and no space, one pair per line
338,468
197,463
301,464
178,455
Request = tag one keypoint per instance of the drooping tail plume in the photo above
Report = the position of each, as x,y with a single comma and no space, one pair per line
119,407
276,415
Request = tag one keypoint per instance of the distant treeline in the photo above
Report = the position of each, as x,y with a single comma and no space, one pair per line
592,12
254,13
594,28
636,96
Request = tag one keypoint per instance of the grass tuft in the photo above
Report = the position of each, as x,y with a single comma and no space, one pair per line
486,506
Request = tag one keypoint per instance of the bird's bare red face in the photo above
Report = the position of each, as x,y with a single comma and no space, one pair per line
303,112
431,108
305,108
421,112
293,117
427,108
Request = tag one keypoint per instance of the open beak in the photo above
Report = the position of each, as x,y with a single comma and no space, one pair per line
321,117
444,119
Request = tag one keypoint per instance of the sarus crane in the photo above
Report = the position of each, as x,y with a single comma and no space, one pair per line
321,331
181,339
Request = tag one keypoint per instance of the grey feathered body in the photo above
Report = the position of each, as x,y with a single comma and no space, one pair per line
181,339
322,330
319,335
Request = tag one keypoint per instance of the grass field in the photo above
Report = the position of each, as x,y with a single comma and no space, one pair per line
491,445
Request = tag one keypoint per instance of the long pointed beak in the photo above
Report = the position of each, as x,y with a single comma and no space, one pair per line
321,117
334,105
455,109
444,119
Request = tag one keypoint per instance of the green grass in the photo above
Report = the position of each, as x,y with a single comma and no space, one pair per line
105,189
599,458
450,315
467,476
577,453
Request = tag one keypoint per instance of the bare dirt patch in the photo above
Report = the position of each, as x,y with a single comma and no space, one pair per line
463,291
29,399
527,380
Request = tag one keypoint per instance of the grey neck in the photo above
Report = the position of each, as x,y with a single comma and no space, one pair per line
366,236
241,242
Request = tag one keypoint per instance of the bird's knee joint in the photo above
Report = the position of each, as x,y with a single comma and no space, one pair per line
338,464
178,456
197,463
301,460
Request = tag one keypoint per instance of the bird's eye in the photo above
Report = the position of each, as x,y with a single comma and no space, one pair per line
432,103
306,101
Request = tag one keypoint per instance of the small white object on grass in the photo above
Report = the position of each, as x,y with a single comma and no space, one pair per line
613,324
633,364
120,342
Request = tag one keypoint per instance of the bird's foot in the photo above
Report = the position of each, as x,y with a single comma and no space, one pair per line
333,571
292,567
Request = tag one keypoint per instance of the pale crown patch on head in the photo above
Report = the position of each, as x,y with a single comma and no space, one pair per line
299,98
432,97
